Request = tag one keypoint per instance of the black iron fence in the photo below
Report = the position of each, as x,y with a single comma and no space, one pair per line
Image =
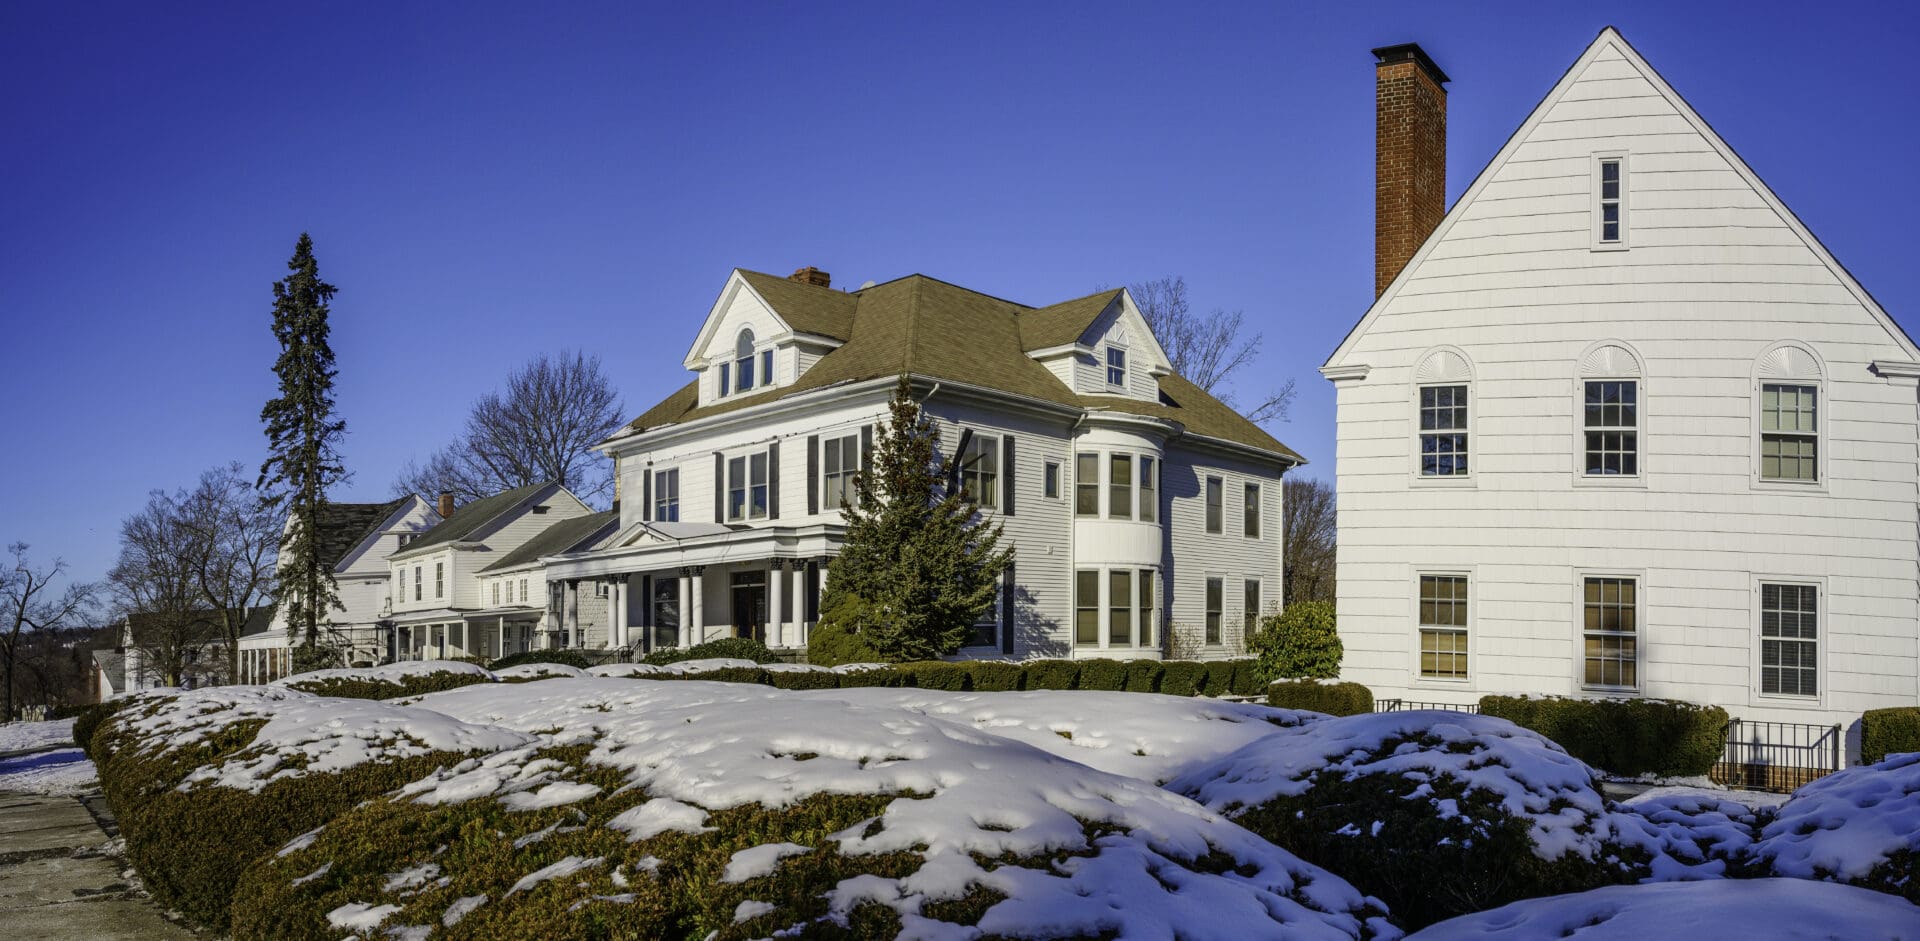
1405,705
1779,756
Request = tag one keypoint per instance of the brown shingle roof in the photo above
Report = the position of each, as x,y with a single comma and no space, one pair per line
561,537
470,517
928,328
341,526
807,308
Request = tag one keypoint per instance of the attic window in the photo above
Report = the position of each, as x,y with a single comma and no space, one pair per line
1116,366
541,509
1610,204
743,361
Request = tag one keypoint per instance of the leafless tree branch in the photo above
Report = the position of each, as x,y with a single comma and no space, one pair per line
1207,350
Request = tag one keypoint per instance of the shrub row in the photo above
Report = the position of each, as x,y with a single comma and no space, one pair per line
1334,699
1172,677
1623,736
410,685
1886,732
733,648
571,658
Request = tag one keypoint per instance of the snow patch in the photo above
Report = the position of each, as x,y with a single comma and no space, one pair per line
1847,823
560,870
756,861
1774,909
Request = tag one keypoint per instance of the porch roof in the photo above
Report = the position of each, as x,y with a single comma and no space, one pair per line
645,548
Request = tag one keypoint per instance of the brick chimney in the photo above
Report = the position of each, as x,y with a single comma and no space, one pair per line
446,505
1410,157
812,275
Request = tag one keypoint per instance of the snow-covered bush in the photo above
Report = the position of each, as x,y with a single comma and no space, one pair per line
679,810
1181,677
1438,813
1627,737
1051,674
528,672
1891,731
1334,699
571,658
1774,909
388,680
1860,825
732,648
625,669
995,676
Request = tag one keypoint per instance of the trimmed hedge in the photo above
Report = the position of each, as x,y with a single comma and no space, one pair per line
727,675
996,676
830,644
1143,676
1627,737
735,648
1883,732
89,722
1219,678
803,679
937,674
1301,642
1246,678
1102,673
572,658
1182,677
1334,699
1052,674
414,685
879,676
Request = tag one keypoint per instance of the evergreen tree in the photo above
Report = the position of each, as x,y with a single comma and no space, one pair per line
303,444
919,566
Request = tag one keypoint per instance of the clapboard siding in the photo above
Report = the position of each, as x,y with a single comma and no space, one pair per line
1714,276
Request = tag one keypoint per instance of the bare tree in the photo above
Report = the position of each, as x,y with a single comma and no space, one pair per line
1308,517
31,605
542,428
1207,350
233,536
157,589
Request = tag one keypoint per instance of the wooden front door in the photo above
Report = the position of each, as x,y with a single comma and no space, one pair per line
750,605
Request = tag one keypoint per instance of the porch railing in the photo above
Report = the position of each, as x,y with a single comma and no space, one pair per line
1405,705
1778,756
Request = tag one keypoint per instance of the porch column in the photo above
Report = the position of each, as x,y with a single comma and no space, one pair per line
572,624
696,630
617,613
800,601
776,625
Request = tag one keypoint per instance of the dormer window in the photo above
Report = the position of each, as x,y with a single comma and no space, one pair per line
743,361
766,367
1116,366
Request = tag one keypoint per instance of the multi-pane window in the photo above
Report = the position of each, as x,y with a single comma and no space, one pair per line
1250,523
439,579
1116,366
766,367
1612,424
839,461
1149,490
726,372
1612,181
1216,590
980,471
523,591
1051,480
1119,607
1789,640
1215,494
496,594
1086,607
1120,486
1443,626
1789,432
757,486
666,496
1250,615
743,361
1147,610
416,583
1086,485
1610,630
1443,431
736,488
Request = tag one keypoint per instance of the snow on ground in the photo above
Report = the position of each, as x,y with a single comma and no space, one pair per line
1773,909
625,669
710,663
386,672
66,771
1755,800
534,671
1847,823
18,735
1140,735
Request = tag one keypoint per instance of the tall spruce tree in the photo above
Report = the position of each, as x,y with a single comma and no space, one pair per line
303,444
919,565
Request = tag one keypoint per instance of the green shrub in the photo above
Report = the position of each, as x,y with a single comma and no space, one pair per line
803,679
832,643
1182,677
572,658
1883,732
1143,676
68,710
1103,674
1334,699
90,720
1050,674
729,675
1218,678
1246,677
1627,737
1301,642
890,677
995,676
409,685
936,674
733,648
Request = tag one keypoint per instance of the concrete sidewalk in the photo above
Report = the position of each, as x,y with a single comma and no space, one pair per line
56,881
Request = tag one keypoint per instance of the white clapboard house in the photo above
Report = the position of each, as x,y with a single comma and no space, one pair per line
1133,499
1617,424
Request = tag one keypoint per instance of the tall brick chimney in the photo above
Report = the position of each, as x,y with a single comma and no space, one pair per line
812,275
1409,157
446,505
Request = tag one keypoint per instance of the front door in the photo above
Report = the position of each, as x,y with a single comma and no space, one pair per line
750,605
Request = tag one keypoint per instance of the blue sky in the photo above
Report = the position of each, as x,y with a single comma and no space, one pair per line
487,181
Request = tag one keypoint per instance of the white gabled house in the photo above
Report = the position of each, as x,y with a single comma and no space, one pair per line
1618,424
1133,499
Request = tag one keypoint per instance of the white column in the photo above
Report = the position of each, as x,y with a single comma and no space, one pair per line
696,629
776,625
617,613
799,601
572,636
686,607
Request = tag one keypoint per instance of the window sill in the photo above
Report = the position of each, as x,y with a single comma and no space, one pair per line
1459,481
1611,482
1443,682
1631,692
1610,247
1790,486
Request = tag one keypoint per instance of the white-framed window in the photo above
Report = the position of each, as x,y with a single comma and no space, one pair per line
1610,631
1119,486
1116,367
1086,484
666,496
1443,430
766,367
747,487
496,593
1149,489
1250,512
1051,480
416,583
1789,639
1120,607
1443,621
523,591
1790,432
1149,611
1086,607
839,461
1215,495
1250,607
1216,601
1610,426
743,360
980,471
1115,608
1610,201
726,371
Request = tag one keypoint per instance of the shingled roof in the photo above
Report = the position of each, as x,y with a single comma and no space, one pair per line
466,519
341,526
564,536
925,327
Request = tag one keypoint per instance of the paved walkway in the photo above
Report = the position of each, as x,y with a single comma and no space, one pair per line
56,883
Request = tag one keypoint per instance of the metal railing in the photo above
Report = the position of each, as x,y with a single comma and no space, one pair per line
1778,756
1405,705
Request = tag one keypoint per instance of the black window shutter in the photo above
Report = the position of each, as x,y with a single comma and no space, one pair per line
953,466
813,474
773,481
646,495
1007,592
719,488
1006,475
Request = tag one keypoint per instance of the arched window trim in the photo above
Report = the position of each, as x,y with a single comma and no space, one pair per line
743,360
1612,450
1813,375
1450,373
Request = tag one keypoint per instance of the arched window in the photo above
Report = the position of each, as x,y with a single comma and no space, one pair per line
1789,382
1608,411
1443,384
743,361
